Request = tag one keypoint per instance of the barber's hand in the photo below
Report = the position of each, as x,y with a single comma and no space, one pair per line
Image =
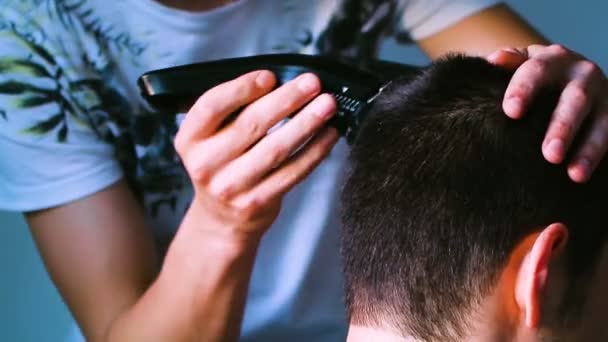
584,94
240,173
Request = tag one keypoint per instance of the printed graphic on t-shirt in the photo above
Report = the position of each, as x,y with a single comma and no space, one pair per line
69,97
86,98
356,28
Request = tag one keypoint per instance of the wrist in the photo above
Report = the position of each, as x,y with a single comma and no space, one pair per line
201,239
221,243
209,266
202,224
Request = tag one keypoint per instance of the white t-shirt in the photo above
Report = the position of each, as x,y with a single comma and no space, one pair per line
72,123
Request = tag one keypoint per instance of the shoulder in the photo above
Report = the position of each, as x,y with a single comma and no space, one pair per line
46,28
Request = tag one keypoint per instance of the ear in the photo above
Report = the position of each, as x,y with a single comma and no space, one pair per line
534,271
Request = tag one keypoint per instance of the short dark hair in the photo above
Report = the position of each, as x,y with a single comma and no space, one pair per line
441,186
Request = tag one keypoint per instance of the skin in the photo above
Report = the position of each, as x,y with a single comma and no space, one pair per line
105,268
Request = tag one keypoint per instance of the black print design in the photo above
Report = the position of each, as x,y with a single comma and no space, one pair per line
70,11
355,29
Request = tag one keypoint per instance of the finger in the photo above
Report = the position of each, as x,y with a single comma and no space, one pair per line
593,148
255,120
210,110
508,58
294,171
573,107
546,65
536,49
524,84
553,49
273,150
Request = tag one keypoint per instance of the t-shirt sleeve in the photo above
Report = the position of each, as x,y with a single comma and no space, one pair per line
50,154
423,18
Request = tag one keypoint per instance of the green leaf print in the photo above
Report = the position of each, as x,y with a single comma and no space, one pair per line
35,101
88,93
46,126
18,88
64,92
23,67
32,46
62,135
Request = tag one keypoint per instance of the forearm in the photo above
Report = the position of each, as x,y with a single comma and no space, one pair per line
200,293
483,33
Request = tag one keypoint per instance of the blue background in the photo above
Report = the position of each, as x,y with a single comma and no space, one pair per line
30,307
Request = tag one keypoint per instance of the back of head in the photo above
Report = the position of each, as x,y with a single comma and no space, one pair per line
441,187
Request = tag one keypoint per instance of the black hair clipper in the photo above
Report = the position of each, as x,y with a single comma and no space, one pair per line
176,89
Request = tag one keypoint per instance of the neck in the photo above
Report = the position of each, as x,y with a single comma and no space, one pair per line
488,322
358,333
195,5
365,334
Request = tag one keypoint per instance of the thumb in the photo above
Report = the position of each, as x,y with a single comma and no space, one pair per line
510,58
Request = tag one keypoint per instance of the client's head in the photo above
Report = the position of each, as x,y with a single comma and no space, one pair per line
455,228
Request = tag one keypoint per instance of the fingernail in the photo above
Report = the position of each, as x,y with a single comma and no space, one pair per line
325,106
512,51
580,170
585,166
555,148
496,56
513,107
331,135
308,83
263,79
493,56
